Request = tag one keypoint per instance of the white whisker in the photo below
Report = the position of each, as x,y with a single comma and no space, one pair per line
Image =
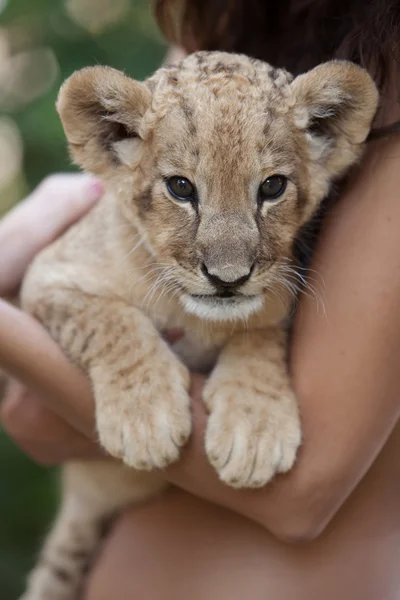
300,284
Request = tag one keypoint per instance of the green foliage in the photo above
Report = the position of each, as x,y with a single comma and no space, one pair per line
27,503
27,492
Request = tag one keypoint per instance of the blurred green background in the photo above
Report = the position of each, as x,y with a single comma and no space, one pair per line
41,43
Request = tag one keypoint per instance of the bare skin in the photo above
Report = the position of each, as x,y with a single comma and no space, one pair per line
181,547
349,401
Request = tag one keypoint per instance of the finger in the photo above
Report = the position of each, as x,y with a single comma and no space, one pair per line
58,202
64,198
39,432
197,383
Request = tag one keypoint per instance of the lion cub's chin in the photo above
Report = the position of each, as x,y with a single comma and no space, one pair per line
214,308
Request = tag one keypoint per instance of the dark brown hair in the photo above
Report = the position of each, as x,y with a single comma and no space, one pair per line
294,34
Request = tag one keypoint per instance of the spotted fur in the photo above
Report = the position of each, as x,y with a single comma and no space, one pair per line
143,261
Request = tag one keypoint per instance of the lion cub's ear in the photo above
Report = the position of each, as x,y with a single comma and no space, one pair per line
101,111
335,104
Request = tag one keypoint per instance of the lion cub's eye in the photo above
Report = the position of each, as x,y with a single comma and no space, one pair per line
181,188
272,187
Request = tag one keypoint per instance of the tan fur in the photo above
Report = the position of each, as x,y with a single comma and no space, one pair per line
133,267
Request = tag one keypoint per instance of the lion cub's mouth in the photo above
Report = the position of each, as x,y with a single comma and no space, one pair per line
225,294
222,295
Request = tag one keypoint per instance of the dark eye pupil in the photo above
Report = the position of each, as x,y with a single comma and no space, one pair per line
180,187
273,187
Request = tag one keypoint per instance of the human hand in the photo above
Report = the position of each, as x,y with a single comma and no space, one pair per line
57,203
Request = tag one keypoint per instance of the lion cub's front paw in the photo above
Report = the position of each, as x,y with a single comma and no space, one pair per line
145,422
250,436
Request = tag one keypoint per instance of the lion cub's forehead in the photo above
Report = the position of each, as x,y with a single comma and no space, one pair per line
227,104
211,67
239,84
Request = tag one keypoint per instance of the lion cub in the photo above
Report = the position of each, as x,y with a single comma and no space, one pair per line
211,168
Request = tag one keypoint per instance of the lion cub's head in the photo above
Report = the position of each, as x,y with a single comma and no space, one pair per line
219,161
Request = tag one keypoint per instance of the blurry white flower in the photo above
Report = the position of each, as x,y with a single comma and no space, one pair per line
25,76
97,15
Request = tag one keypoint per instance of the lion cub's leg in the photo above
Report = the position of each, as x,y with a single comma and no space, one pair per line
253,429
93,492
140,386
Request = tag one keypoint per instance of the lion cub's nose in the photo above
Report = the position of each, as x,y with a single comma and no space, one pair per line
227,277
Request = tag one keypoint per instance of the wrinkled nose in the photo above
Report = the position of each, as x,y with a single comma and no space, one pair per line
224,279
